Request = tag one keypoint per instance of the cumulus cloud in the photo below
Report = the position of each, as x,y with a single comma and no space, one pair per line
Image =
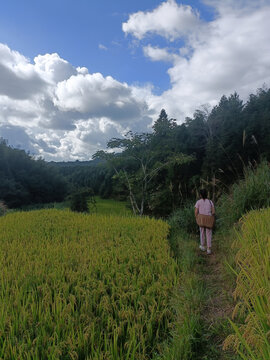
157,54
230,53
53,67
98,96
169,20
18,78
60,112
18,137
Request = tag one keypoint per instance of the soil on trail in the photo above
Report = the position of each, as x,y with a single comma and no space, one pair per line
218,305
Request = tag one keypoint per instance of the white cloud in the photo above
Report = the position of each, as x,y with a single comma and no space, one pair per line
102,47
169,20
157,54
18,78
93,95
53,67
61,112
230,53
55,110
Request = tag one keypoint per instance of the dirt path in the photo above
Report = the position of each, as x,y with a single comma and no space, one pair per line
218,306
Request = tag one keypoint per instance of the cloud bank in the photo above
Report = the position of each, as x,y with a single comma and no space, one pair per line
229,53
59,112
62,112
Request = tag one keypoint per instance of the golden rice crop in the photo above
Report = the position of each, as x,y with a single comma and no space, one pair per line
75,286
252,338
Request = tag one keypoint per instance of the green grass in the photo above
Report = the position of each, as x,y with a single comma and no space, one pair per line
103,207
188,300
111,207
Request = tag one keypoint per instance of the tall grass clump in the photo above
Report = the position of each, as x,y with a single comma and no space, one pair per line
251,326
79,286
252,192
184,219
3,208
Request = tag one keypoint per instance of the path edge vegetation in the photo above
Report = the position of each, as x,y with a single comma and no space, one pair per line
192,334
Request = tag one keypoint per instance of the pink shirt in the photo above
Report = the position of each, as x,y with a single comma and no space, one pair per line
204,206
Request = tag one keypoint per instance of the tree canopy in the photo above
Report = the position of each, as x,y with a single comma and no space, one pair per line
27,181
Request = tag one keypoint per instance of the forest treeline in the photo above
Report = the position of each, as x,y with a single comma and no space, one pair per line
25,181
157,171
166,167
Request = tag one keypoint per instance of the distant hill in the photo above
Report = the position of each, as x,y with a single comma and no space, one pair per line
76,163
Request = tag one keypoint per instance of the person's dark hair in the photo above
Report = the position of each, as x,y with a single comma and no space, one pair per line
203,193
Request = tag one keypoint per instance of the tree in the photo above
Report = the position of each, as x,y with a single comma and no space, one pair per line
224,145
137,165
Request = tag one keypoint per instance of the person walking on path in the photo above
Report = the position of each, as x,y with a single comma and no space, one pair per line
206,207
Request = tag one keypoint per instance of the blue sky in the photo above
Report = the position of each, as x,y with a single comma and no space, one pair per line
75,74
78,31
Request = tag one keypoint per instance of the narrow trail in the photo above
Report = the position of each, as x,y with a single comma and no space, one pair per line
218,304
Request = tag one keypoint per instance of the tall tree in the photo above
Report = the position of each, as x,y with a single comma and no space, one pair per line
225,143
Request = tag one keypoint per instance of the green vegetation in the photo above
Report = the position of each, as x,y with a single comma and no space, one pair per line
252,292
83,200
76,286
188,301
183,219
159,171
105,286
25,181
111,207
252,192
242,264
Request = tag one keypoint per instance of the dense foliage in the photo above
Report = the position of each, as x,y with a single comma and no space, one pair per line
24,180
251,192
214,147
81,200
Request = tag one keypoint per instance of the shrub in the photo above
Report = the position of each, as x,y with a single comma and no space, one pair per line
252,192
183,219
80,199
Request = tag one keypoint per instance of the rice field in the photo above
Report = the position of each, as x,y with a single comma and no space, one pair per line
76,286
251,325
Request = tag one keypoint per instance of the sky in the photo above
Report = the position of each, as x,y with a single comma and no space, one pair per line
74,74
